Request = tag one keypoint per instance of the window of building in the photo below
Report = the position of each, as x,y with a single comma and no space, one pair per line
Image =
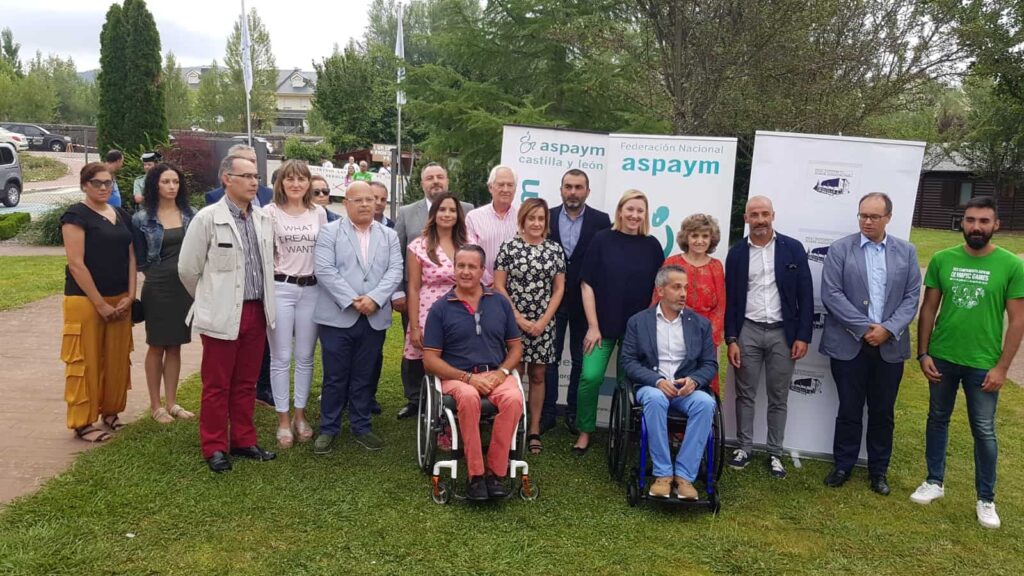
965,193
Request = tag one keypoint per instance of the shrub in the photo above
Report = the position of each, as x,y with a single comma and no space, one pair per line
45,230
11,224
295,149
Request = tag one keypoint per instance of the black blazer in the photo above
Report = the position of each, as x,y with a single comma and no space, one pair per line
593,222
792,278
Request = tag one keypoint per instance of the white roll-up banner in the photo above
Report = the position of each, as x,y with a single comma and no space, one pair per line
815,184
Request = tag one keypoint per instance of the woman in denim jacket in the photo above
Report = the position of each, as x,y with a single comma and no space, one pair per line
159,230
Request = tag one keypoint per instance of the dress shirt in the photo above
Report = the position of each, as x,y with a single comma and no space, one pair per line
363,235
251,247
671,344
569,229
490,230
763,302
874,263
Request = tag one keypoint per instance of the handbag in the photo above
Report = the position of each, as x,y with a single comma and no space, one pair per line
138,312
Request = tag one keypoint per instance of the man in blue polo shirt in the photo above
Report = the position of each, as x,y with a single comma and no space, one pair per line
472,343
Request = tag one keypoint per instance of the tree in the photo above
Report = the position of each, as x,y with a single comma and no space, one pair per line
262,100
177,96
76,98
131,115
993,146
9,51
208,109
351,96
34,97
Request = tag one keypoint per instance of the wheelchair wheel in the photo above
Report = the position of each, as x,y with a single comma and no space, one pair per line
714,503
632,489
718,428
618,433
440,493
426,434
529,489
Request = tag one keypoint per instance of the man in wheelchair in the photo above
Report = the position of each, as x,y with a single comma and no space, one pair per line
472,343
670,358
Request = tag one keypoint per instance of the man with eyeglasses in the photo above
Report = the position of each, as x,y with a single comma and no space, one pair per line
472,343
227,265
870,286
358,266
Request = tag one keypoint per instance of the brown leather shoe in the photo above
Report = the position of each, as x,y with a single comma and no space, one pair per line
685,490
661,487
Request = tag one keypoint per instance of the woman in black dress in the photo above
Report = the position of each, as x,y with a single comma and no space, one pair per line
159,230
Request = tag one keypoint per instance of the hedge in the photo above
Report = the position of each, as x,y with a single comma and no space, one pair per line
12,223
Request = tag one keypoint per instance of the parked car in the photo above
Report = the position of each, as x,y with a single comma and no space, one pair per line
10,176
19,141
39,138
243,138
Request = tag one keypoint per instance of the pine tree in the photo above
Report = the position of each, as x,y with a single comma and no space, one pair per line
177,99
9,51
111,81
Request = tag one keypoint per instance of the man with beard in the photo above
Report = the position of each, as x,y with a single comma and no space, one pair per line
409,226
976,283
768,313
870,284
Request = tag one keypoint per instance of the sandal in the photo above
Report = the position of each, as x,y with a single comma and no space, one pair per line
180,413
304,430
285,438
84,432
161,416
534,443
113,422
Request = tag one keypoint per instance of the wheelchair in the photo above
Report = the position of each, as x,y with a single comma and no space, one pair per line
437,412
627,450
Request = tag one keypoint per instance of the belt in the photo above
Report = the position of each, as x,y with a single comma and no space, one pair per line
480,368
297,280
765,325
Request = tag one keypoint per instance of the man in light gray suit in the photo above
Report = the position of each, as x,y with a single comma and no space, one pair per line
870,285
358,266
409,226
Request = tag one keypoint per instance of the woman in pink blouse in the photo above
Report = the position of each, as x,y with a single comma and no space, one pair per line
297,220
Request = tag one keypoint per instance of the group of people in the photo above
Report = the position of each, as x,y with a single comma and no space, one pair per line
487,291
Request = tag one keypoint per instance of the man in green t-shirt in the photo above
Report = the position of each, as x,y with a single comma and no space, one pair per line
976,283
364,173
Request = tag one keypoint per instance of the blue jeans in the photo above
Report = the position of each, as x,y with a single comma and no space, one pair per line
576,326
699,408
981,413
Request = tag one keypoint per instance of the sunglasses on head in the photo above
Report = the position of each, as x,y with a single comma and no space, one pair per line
321,192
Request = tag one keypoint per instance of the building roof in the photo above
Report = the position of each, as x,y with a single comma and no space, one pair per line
939,158
288,81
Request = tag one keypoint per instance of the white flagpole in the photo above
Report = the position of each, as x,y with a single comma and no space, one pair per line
399,101
247,71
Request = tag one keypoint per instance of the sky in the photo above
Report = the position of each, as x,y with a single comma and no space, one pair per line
301,31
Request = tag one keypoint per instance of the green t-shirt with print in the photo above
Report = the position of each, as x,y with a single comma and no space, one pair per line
969,329
364,176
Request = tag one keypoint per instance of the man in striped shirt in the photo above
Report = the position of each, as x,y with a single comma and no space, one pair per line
489,226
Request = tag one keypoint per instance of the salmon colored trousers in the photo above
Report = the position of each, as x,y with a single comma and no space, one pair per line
97,358
509,401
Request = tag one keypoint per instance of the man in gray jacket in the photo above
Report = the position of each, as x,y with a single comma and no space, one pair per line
870,285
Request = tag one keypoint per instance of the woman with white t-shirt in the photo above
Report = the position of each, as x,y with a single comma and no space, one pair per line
297,220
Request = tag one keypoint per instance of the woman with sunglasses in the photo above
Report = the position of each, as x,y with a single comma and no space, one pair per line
321,191
297,221
99,288
159,231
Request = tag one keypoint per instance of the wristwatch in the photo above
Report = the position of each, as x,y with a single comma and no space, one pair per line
505,371
730,340
921,355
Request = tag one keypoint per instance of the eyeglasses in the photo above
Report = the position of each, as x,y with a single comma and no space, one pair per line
97,183
476,317
251,177
871,217
321,192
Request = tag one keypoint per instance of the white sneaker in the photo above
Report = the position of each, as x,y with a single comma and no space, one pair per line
987,516
927,492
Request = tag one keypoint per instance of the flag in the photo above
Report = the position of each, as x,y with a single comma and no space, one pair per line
400,53
246,52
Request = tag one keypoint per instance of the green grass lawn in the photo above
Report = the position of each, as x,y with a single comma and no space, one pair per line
24,279
41,168
929,241
146,504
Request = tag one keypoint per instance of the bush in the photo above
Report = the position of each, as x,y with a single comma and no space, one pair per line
295,149
11,224
45,230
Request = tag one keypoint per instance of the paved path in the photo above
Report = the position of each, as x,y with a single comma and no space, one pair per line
35,443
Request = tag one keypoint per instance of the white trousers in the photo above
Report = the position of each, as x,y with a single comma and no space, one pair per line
294,322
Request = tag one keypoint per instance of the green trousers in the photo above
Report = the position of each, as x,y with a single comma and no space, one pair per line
595,365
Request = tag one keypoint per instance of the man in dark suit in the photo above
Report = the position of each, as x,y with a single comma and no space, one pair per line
670,358
870,286
264,196
573,225
409,226
769,307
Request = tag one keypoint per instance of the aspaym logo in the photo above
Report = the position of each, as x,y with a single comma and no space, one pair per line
526,143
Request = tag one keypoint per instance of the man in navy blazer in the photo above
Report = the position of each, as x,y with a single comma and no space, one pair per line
870,286
264,195
769,307
669,356
573,225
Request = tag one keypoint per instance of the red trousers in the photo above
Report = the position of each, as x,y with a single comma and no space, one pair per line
230,369
507,398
